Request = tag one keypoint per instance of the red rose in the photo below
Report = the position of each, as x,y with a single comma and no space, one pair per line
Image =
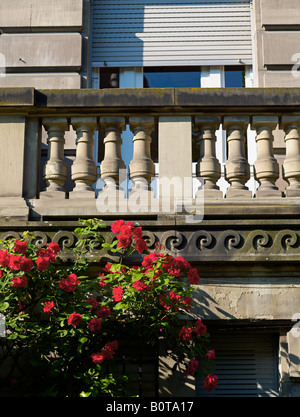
126,230
137,233
191,367
26,265
181,263
175,272
200,328
94,303
75,319
140,286
19,282
141,246
117,294
107,268
20,247
210,355
102,282
112,345
174,297
48,306
70,283
187,301
163,302
104,312
54,247
109,349
193,276
124,241
186,333
98,357
4,258
106,353
15,262
95,325
116,226
48,253
210,382
42,263
149,260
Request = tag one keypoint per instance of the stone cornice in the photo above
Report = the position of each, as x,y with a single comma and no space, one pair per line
151,101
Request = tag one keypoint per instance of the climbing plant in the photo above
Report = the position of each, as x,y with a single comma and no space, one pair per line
65,329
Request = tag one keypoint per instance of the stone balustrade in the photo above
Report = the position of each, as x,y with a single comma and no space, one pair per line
247,127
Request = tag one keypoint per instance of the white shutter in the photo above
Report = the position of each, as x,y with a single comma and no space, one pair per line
171,32
246,366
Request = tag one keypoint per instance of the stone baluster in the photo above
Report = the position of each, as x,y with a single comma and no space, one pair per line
291,165
84,170
266,166
237,170
55,170
141,167
112,163
208,167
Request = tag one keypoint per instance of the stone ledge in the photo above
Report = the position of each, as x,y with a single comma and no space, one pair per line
156,100
188,212
16,97
13,208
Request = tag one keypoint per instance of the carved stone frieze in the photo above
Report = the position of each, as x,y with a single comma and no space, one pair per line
195,245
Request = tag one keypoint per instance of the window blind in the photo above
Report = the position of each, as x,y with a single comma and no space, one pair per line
246,366
128,33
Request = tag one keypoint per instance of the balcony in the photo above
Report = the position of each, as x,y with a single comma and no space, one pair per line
186,171
242,207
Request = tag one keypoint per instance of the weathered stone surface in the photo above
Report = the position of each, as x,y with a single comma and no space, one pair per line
42,80
17,97
56,50
180,100
12,137
280,13
40,13
110,98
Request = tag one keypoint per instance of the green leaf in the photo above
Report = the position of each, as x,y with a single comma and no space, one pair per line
11,336
106,245
85,394
118,306
4,306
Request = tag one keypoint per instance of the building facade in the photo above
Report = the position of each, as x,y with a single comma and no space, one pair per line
184,116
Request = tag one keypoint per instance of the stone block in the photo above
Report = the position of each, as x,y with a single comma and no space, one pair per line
12,139
50,50
42,80
259,298
279,49
40,13
280,12
175,157
16,97
275,79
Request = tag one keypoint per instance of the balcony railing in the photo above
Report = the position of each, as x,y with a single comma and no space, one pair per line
186,122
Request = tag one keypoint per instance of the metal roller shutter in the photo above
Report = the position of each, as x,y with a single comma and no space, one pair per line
246,366
128,33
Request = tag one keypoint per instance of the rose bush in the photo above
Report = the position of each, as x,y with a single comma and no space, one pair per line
65,329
